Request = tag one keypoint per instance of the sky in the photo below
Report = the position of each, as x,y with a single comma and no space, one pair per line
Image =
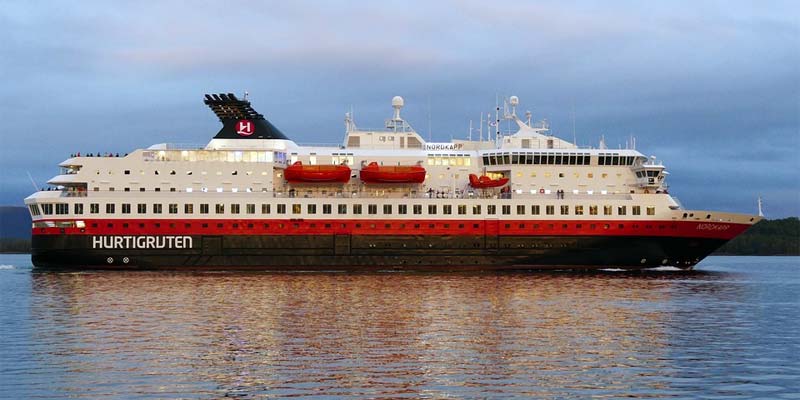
712,88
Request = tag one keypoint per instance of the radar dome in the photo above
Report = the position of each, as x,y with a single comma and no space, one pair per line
397,101
514,100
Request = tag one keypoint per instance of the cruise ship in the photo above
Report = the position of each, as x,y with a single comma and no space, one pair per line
516,197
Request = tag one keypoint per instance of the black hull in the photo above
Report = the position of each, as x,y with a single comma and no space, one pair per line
375,253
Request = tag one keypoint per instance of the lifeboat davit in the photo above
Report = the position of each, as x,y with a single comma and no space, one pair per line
484,182
298,172
374,173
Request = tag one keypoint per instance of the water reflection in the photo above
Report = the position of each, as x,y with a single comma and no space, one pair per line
463,335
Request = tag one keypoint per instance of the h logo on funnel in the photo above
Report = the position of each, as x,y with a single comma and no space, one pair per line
244,128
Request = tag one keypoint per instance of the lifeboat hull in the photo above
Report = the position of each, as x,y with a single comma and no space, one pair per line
299,173
484,182
374,173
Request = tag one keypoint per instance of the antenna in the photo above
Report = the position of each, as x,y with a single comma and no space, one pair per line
36,188
574,136
480,128
429,118
470,130
760,211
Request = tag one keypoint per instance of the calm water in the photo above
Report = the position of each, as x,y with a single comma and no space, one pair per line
730,330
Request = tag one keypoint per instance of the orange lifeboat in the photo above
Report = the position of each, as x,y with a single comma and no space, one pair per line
299,173
484,182
374,173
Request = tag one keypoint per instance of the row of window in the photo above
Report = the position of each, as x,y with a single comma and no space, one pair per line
214,155
357,209
612,159
297,225
537,158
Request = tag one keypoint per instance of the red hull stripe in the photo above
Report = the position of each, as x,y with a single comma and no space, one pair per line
698,229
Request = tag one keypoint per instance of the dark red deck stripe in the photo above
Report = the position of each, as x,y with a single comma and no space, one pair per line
466,227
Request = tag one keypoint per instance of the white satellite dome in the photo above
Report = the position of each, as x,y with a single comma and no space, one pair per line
397,101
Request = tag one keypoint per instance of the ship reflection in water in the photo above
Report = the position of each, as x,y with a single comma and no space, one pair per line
386,335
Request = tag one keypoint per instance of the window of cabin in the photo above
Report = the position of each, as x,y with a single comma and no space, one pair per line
462,209
62,208
417,209
387,209
651,210
521,209
204,208
188,208
94,208
550,210
173,208
327,208
564,210
447,209
402,209
281,209
311,208
109,208
621,210
592,210
535,210
297,208
506,209
637,210
607,210
342,208
126,208
78,208
141,208
265,209
578,210
156,208
476,209
356,208
491,209
219,208
250,208
372,209
431,209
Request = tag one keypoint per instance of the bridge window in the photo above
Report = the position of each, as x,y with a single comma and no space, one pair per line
62,208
